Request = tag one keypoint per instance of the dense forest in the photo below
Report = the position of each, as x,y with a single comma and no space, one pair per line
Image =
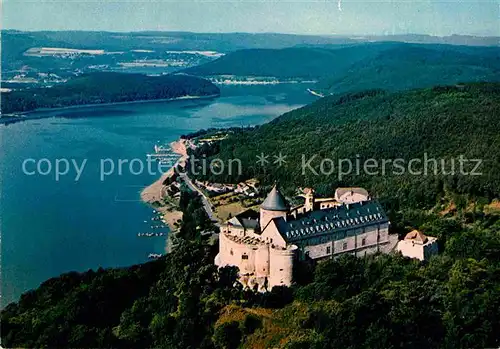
349,68
440,123
402,67
300,62
97,88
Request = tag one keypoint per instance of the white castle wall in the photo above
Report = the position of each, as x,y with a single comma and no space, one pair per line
328,204
262,261
231,252
422,252
271,235
375,239
350,196
281,266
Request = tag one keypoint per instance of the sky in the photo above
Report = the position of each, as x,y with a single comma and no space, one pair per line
324,17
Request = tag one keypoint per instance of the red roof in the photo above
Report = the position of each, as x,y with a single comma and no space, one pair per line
416,235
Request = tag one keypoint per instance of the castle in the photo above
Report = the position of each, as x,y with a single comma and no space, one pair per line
264,245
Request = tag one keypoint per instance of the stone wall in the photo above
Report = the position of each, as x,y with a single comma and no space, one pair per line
236,254
271,235
409,248
262,261
361,241
266,216
281,266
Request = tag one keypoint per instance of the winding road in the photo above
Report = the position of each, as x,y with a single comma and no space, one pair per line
206,203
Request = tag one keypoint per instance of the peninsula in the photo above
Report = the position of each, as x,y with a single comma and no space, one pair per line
107,88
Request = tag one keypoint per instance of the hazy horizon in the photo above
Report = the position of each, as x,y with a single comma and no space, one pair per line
236,32
312,17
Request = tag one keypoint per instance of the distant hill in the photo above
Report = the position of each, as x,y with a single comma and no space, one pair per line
224,42
265,54
442,122
296,62
282,63
348,68
98,88
407,66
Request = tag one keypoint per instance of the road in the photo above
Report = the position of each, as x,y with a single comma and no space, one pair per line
206,203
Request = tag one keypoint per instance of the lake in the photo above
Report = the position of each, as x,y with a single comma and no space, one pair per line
54,225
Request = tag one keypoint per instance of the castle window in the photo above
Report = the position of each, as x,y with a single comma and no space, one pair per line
244,256
363,241
344,246
328,250
231,252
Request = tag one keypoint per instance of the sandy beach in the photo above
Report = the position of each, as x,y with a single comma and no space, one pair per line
154,192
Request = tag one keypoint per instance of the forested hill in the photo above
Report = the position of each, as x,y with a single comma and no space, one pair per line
341,69
98,88
308,63
442,122
403,67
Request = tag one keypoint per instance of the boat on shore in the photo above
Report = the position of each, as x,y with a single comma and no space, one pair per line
148,235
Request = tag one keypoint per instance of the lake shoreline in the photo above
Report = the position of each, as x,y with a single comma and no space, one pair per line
31,114
155,192
106,230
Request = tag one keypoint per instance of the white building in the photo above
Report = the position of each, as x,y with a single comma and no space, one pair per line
417,245
351,195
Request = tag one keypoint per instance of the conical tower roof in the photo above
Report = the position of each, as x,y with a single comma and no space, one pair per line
275,201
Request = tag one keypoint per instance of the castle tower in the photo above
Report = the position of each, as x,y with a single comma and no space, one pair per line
309,196
273,206
281,266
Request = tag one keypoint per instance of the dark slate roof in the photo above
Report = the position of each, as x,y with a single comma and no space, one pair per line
324,222
250,224
275,201
248,219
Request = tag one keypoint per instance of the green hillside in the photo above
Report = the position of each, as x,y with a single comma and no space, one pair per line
309,63
341,69
409,66
440,123
100,88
